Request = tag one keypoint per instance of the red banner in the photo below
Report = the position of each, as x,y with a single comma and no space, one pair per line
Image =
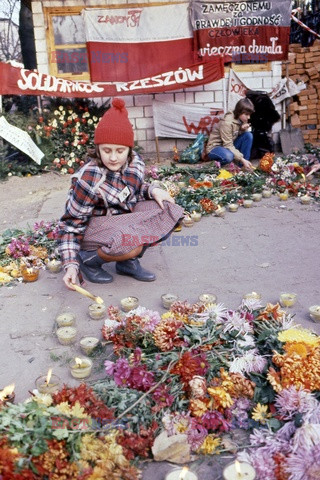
19,81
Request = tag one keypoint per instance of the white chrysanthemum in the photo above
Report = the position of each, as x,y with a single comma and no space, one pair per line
56,112
246,341
251,304
214,311
69,163
250,362
72,154
64,170
237,321
90,121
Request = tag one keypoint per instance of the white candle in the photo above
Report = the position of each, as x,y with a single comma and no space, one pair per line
181,474
288,299
239,471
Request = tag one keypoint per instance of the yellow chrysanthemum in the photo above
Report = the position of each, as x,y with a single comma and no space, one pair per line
224,174
220,396
166,315
5,278
43,399
198,407
301,335
210,445
75,411
260,413
297,348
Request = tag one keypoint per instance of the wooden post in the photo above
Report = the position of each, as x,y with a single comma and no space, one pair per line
157,148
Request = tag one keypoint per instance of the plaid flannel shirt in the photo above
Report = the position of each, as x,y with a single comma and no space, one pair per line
94,192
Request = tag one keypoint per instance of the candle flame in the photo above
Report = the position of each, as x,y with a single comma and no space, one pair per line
78,361
8,390
238,469
183,473
49,376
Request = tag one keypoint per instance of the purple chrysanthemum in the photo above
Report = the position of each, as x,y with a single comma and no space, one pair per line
304,464
291,401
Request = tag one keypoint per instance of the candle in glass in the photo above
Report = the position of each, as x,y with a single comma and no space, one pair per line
80,367
288,299
49,383
315,313
247,203
97,311
129,303
256,197
181,474
30,274
305,199
88,344
220,212
206,298
283,195
266,193
239,471
252,296
196,216
187,222
54,266
66,335
65,319
233,207
168,299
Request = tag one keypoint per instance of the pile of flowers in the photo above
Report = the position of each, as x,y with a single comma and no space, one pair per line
205,187
200,370
23,249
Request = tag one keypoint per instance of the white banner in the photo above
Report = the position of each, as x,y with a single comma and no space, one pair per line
236,90
181,120
21,140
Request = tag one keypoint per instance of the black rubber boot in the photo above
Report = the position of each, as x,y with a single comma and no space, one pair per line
91,266
133,268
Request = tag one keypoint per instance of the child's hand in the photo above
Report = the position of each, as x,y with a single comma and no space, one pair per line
160,196
247,165
71,276
245,126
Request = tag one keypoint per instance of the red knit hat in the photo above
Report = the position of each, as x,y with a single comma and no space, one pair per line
115,127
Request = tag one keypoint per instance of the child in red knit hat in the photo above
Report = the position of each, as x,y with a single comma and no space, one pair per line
111,214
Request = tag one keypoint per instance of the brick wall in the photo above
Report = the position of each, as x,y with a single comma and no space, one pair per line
305,107
140,106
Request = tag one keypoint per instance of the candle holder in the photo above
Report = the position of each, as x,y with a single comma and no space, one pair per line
97,311
48,387
188,222
168,299
247,203
65,319
66,335
7,394
181,474
283,196
80,367
129,303
239,471
220,212
233,207
54,266
252,296
181,184
30,274
266,193
206,298
288,299
314,312
89,344
305,200
196,216
256,197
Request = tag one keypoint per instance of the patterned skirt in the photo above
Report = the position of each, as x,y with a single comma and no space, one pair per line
147,225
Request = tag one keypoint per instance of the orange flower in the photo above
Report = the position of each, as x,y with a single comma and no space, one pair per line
266,162
198,407
271,311
208,205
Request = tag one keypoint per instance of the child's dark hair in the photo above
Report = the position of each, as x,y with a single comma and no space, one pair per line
243,106
95,154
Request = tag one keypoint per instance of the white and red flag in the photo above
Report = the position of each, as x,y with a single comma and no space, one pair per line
138,42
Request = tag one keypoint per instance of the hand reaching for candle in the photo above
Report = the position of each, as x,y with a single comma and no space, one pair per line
160,196
71,276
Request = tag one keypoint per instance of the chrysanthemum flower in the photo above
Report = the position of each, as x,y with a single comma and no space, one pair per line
210,445
260,413
299,335
166,335
291,401
248,363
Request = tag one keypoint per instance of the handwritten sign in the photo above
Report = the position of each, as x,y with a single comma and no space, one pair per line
21,140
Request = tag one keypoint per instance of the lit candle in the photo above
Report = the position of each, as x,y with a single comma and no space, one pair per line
54,265
256,197
30,274
288,299
252,296
181,184
181,474
88,344
7,394
80,367
233,207
65,319
247,203
168,299
129,303
239,471
206,298
196,216
305,199
283,195
97,311
315,313
48,384
220,212
66,335
266,193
